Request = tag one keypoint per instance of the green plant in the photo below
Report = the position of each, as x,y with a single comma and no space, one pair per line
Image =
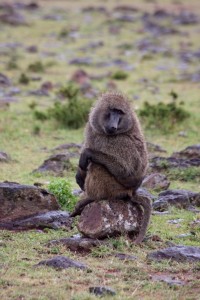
163,116
12,63
39,115
188,174
64,33
36,67
36,130
73,113
24,79
61,188
119,75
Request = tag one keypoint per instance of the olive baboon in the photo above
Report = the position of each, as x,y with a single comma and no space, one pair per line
114,159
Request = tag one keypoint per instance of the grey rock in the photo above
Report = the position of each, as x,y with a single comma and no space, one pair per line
57,164
4,80
155,148
177,253
78,244
170,280
123,256
156,181
4,157
109,218
20,201
190,152
102,291
52,219
162,163
178,198
62,262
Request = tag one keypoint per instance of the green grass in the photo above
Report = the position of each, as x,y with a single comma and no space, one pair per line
30,141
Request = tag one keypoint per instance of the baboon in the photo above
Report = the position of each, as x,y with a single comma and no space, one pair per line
113,159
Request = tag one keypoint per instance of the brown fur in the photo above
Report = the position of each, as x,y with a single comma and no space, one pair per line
117,163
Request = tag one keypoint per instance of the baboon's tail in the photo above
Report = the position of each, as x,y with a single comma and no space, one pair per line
80,206
145,203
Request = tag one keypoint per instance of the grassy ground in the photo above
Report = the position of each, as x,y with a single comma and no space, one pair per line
20,251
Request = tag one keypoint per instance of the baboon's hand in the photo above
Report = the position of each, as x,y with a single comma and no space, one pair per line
80,178
85,158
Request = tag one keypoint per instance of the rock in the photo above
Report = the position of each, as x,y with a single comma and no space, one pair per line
170,280
57,164
4,157
68,146
178,198
19,201
177,253
52,219
123,256
102,291
4,80
82,61
162,163
62,262
156,181
78,244
80,77
13,17
109,218
190,152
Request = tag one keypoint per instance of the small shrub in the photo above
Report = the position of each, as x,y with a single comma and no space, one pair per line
23,79
74,112
64,33
32,105
37,67
39,115
12,63
119,75
36,130
61,188
188,174
163,116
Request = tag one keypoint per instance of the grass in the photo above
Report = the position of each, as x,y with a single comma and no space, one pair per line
30,141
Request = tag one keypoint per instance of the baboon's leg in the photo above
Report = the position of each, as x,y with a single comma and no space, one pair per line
80,206
129,181
145,204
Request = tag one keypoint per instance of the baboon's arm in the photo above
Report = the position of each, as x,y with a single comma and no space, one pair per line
111,164
80,177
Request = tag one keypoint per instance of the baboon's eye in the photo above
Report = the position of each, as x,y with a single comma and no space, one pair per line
118,111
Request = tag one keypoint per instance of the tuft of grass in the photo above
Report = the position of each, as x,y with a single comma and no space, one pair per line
24,79
119,75
36,67
73,111
61,188
163,116
188,174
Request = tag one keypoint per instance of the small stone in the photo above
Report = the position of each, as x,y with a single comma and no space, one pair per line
177,253
171,281
156,181
189,152
52,219
178,198
123,256
4,157
78,244
102,291
57,164
62,262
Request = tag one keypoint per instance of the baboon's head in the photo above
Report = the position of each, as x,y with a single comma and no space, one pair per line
111,114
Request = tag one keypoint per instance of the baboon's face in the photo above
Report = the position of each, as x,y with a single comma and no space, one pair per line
112,121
